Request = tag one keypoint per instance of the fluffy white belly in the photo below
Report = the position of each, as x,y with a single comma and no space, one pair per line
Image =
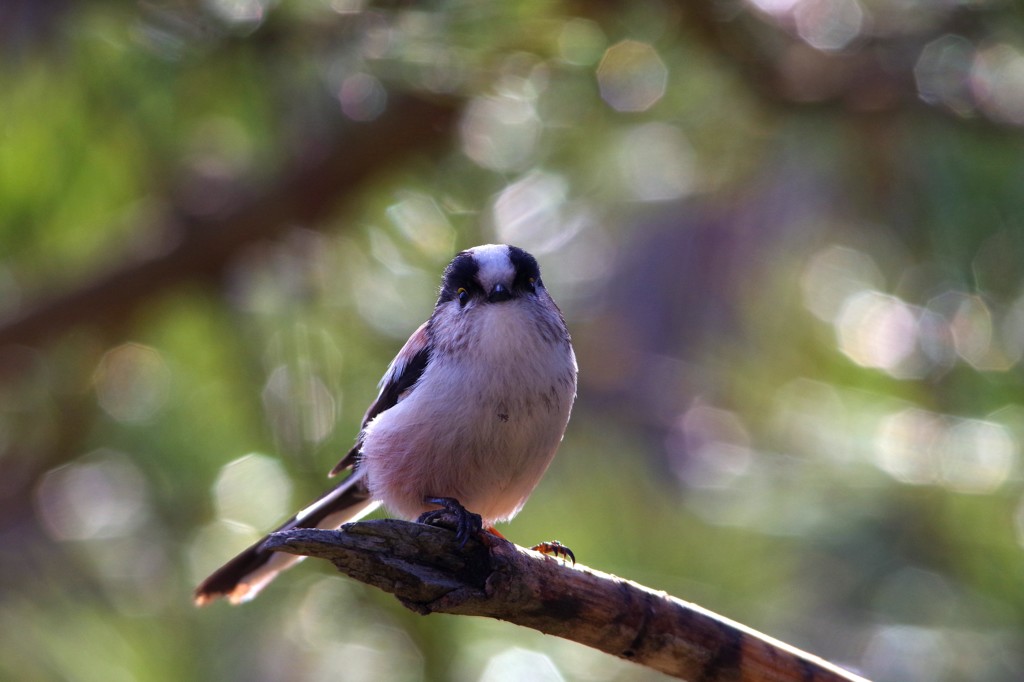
484,440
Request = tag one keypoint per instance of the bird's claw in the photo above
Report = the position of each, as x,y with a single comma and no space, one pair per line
556,549
467,524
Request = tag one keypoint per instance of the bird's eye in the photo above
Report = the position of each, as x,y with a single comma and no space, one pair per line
463,296
531,284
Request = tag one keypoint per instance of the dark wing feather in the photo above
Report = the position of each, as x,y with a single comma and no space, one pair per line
403,373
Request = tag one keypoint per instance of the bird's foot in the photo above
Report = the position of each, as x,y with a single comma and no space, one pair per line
555,549
467,524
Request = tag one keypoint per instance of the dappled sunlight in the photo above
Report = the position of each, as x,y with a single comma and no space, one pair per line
965,455
515,664
877,331
881,331
132,382
632,76
315,623
532,212
777,8
243,14
101,507
99,496
301,399
657,163
943,73
827,25
973,330
997,80
299,406
320,625
813,419
905,451
581,42
970,324
391,309
710,447
248,478
909,652
368,654
362,97
501,132
420,220
776,497
833,275
977,456
970,77
347,6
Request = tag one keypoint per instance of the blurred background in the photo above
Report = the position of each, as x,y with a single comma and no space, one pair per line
788,236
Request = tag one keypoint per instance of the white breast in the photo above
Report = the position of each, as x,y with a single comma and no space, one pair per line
481,425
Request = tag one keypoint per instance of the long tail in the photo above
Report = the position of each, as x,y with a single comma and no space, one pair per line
243,577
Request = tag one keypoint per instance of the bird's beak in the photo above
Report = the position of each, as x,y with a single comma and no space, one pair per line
499,293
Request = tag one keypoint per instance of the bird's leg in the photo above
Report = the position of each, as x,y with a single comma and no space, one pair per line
467,524
556,549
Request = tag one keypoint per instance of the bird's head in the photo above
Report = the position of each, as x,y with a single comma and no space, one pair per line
491,274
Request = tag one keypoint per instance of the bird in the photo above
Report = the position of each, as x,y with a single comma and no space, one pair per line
468,417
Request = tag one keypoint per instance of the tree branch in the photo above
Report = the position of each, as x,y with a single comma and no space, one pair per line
422,566
322,176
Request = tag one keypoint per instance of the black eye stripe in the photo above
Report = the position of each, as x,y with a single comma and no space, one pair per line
526,269
460,273
461,270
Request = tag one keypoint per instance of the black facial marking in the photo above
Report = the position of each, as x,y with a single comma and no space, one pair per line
460,274
526,270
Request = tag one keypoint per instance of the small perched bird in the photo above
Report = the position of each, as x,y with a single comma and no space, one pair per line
469,415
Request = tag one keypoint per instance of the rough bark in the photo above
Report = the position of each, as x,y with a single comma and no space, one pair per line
424,569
